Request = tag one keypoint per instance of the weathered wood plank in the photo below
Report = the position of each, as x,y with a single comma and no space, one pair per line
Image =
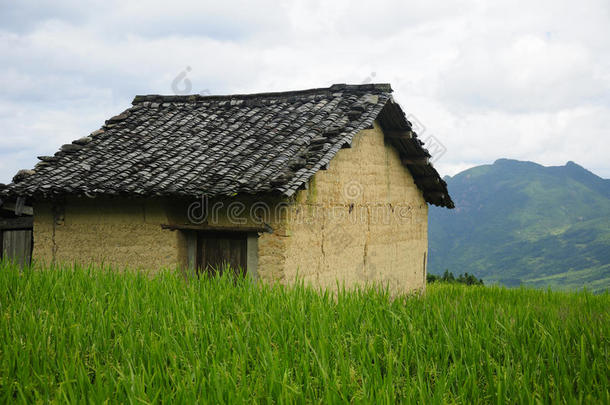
26,209
17,246
262,228
215,251
16,223
252,255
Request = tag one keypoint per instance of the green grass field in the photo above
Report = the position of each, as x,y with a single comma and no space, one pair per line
92,335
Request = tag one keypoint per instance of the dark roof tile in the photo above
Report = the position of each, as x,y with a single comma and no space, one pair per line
223,145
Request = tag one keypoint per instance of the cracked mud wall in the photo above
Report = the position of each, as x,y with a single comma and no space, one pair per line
361,221
115,232
127,233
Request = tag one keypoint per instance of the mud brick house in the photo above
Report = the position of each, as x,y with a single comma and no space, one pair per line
324,185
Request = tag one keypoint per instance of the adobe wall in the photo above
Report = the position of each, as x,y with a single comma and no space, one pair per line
361,221
115,232
128,233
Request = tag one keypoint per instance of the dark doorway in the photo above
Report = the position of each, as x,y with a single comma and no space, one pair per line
16,239
217,250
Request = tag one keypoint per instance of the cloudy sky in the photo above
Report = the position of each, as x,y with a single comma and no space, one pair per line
485,79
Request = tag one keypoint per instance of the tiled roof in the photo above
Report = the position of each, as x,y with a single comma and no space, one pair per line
226,145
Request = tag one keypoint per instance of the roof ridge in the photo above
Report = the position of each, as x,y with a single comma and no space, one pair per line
381,87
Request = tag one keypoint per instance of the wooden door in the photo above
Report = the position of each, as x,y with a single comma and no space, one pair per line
216,250
17,246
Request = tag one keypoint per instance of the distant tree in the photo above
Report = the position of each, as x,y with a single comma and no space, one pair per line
448,277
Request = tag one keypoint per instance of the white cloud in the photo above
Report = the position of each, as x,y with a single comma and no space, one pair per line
526,80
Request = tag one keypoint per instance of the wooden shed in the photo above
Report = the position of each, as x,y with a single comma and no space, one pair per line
326,185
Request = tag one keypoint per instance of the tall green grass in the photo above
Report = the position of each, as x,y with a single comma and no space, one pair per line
84,335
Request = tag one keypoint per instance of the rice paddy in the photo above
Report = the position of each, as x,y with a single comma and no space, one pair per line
90,335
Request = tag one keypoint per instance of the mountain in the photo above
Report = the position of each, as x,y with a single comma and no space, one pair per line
522,223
